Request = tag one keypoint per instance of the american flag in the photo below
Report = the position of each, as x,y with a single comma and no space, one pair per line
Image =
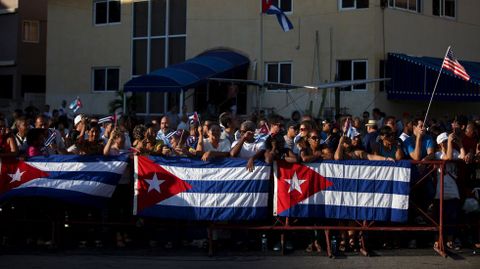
452,64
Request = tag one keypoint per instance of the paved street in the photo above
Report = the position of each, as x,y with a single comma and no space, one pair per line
410,259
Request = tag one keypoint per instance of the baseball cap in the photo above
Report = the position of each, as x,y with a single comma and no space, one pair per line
442,137
77,119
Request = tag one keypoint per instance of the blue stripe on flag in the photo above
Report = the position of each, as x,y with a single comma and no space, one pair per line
403,163
73,197
229,186
346,212
103,177
371,186
206,213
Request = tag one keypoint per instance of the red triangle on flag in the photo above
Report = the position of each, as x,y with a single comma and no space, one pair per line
16,172
295,183
156,184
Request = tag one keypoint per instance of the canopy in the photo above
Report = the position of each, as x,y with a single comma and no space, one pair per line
195,71
413,78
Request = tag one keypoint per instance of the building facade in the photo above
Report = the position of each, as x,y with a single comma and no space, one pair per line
94,47
23,29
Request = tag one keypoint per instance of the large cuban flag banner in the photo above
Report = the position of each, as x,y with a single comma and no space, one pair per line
352,190
88,180
186,188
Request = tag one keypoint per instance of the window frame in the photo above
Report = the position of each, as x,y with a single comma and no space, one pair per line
95,2
105,69
281,8
149,37
442,9
24,36
352,87
341,8
418,10
279,71
352,73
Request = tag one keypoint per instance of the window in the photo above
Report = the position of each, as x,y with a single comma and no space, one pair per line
444,8
284,5
105,79
352,70
106,11
412,5
31,31
353,4
6,86
279,72
159,40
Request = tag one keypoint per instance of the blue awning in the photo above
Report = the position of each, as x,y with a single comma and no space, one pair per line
413,78
193,72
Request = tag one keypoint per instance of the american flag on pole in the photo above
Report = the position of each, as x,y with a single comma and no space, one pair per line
451,63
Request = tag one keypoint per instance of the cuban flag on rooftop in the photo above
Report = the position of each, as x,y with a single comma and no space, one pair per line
269,8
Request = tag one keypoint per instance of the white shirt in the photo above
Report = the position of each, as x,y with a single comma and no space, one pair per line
450,188
249,149
223,146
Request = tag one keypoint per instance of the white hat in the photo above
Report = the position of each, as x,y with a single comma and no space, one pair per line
442,137
77,119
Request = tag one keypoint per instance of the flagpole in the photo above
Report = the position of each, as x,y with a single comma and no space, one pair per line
260,95
435,87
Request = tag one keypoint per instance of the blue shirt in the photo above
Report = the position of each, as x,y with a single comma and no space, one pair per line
409,145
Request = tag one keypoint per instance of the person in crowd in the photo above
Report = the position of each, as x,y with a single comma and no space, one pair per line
246,147
213,146
21,126
205,127
378,116
115,144
302,136
92,145
328,136
448,145
139,145
388,145
391,121
292,132
371,137
8,147
107,129
314,150
173,118
420,145
346,151
295,117
407,129
164,127
229,125
35,141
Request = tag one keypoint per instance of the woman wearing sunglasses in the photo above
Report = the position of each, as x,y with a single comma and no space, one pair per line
388,146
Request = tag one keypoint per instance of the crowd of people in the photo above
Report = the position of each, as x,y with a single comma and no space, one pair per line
300,138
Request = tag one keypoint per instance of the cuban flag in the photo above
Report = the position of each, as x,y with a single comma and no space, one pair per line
194,118
184,188
351,190
88,180
76,104
269,8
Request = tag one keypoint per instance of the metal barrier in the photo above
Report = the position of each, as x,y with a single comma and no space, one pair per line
58,221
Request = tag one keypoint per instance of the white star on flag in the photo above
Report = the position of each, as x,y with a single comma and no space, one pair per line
154,183
17,176
295,183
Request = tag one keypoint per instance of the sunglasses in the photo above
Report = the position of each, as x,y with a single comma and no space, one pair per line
303,129
314,138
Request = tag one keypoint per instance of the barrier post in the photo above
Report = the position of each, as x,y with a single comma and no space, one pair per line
441,245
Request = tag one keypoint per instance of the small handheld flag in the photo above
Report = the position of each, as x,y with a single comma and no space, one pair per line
76,104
